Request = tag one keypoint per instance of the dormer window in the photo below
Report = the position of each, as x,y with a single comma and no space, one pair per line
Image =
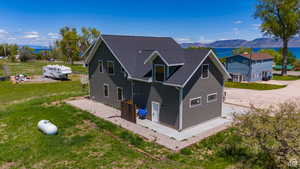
159,72
205,71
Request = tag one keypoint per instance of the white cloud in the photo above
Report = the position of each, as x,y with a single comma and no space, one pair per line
31,35
3,31
223,39
204,40
184,40
53,35
238,22
256,26
236,31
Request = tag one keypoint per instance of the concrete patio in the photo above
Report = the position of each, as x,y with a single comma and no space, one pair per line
158,133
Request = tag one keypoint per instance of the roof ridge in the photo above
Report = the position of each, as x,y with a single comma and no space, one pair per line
142,36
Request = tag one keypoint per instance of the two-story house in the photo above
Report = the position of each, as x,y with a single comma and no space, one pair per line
179,88
249,67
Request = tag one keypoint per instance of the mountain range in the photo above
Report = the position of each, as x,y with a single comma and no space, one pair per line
235,43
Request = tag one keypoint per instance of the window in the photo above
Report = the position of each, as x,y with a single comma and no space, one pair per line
212,98
159,72
110,67
106,90
205,71
195,102
100,66
120,93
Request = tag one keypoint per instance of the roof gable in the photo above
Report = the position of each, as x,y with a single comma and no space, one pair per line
193,60
169,61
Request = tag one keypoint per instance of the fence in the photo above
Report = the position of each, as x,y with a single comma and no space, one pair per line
128,111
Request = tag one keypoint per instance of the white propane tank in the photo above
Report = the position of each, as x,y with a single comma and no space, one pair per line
47,127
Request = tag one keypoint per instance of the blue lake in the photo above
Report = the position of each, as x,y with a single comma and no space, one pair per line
222,52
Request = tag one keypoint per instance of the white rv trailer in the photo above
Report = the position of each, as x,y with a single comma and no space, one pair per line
56,71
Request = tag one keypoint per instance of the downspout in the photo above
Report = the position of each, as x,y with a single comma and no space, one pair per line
250,67
132,91
180,108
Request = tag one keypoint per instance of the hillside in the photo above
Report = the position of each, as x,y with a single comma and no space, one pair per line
256,43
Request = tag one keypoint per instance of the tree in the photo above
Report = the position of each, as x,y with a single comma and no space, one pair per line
242,50
26,54
291,58
278,57
272,134
13,51
69,44
280,19
88,37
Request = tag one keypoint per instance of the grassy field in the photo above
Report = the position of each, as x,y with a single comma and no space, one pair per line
22,92
253,86
35,68
285,78
85,141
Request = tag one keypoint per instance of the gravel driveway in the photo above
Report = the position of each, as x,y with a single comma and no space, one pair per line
264,98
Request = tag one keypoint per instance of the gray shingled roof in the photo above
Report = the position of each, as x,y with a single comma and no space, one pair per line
132,51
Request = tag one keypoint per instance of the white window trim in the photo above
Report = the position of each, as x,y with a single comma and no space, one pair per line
118,93
212,100
105,84
202,71
113,64
101,62
154,72
197,104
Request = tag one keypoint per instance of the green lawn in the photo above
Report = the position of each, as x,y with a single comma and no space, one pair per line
35,67
285,78
253,86
85,141
10,93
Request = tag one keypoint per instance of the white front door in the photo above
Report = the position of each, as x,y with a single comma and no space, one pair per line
155,111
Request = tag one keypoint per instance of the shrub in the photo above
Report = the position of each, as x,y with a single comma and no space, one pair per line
297,65
26,54
272,134
186,151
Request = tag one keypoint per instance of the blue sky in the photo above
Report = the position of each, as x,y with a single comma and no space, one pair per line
37,22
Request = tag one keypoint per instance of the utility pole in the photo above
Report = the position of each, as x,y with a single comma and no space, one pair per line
4,47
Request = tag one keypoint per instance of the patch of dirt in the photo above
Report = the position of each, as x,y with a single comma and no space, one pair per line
90,124
7,165
81,129
3,135
39,164
55,103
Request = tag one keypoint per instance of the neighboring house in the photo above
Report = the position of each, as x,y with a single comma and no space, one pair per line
250,67
179,88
